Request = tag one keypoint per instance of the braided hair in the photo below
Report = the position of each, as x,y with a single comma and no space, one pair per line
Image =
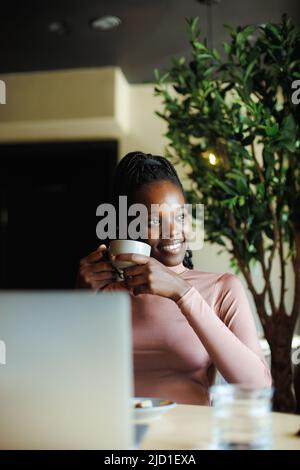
137,169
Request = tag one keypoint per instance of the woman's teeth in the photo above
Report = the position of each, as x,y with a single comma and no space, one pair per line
171,248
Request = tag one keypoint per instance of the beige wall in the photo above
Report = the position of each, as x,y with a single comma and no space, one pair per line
93,104
145,128
75,104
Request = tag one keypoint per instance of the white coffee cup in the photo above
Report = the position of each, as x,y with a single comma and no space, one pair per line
117,247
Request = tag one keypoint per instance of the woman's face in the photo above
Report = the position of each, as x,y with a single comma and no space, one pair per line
167,224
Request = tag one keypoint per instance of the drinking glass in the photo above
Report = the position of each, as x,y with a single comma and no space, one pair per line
242,417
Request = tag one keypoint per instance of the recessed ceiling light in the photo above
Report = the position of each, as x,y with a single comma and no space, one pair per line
106,22
208,2
57,27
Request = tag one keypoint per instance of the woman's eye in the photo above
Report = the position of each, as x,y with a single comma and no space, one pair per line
154,221
181,217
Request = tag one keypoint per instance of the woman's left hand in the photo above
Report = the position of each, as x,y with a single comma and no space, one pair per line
149,276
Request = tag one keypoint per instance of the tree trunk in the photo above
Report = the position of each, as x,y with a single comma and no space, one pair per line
284,399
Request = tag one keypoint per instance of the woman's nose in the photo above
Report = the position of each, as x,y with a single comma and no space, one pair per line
171,228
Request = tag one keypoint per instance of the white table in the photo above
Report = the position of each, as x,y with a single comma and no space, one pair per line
189,427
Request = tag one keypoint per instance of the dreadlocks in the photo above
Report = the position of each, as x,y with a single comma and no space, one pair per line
137,169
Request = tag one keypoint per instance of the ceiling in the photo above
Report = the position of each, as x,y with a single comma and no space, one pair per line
151,32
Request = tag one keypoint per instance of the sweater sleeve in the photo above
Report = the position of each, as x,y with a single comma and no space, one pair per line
228,332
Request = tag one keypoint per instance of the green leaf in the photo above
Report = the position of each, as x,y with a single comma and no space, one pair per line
272,129
274,30
249,30
227,48
200,46
261,189
157,75
230,202
225,187
249,70
209,71
242,201
216,54
240,179
204,56
240,38
193,23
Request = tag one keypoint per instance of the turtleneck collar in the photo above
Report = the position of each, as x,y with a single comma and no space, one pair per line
178,269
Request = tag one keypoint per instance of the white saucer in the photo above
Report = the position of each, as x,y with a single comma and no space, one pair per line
158,408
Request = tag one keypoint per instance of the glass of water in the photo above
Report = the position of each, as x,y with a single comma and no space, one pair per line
242,417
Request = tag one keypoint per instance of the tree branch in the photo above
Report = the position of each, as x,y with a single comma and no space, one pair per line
296,266
267,272
259,298
281,307
257,165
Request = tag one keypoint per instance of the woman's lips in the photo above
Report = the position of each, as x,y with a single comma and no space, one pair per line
171,248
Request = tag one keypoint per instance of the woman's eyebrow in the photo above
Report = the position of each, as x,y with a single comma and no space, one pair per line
159,213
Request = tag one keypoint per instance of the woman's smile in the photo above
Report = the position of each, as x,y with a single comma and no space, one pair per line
172,247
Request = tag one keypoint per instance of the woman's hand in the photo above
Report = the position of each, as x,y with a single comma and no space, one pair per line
152,277
94,272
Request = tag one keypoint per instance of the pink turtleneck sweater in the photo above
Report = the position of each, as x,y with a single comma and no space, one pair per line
178,345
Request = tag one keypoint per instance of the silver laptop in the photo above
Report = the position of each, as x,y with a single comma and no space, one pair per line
65,371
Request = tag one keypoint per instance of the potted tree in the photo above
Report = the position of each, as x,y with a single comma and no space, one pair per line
233,119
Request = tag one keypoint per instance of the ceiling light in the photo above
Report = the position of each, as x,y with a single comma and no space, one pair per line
57,27
208,2
106,22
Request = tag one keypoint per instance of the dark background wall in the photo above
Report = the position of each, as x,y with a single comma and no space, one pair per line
49,193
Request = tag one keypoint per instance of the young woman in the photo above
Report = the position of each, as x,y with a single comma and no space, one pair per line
186,323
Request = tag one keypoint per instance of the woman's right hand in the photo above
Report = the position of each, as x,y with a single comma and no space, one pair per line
94,272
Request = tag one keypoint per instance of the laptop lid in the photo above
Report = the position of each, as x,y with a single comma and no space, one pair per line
67,378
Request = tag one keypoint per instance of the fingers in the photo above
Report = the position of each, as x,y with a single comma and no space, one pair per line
98,281
141,290
91,273
99,285
137,259
97,267
134,270
104,276
96,255
131,282
102,247
95,272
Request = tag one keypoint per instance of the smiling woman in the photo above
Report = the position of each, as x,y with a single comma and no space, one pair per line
152,181
186,323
